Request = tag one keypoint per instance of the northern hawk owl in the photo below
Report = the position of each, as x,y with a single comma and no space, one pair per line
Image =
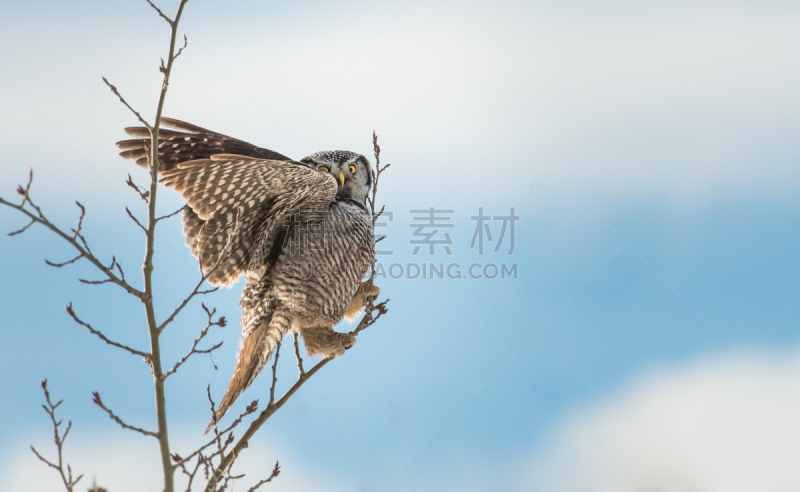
299,231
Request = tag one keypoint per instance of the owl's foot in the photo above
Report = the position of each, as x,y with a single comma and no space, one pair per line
359,300
372,290
323,341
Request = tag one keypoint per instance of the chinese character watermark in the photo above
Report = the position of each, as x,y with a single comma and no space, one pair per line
482,229
432,224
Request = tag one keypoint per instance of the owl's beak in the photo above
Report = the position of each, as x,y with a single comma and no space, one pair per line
341,177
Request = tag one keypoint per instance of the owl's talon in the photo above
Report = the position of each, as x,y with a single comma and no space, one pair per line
325,342
373,291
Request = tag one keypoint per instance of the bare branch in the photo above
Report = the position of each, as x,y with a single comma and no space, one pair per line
300,370
162,14
44,460
25,192
375,219
97,401
182,466
135,220
376,176
196,291
140,190
77,231
172,214
185,43
153,328
194,350
243,442
275,472
66,476
123,101
148,357
59,265
85,244
114,262
213,410
114,272
274,375
251,408
93,282
75,238
217,434
368,319
20,231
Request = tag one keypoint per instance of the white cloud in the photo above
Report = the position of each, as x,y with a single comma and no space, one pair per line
712,425
647,105
123,465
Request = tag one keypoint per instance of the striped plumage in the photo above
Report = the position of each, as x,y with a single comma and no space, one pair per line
193,142
300,233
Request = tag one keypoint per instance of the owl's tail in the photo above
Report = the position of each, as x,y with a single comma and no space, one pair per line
256,352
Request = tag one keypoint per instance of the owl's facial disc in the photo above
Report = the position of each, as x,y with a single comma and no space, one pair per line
350,170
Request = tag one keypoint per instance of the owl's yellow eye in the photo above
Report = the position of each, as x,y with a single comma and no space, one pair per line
325,169
352,169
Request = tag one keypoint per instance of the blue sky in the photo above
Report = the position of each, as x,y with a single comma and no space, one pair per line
648,149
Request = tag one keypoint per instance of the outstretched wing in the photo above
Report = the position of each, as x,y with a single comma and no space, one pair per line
187,142
235,202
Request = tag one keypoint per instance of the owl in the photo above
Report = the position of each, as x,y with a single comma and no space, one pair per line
299,232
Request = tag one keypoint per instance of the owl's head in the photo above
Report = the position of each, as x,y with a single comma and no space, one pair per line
351,171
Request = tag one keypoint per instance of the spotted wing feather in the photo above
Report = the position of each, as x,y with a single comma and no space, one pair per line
185,142
234,202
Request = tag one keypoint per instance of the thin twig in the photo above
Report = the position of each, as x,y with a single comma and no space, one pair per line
160,13
114,264
77,231
20,231
251,408
243,441
94,282
368,319
148,357
75,238
275,472
211,403
59,265
172,214
370,307
140,190
135,220
123,101
97,401
300,370
50,408
147,265
119,267
274,374
185,44
194,350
